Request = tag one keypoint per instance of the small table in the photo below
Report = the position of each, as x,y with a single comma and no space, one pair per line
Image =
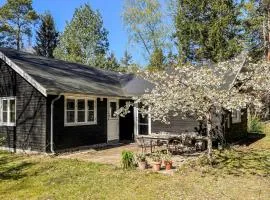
159,137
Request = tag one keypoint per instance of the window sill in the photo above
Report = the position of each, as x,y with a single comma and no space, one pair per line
8,125
80,124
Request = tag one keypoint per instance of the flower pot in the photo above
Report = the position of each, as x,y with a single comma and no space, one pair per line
156,166
142,165
168,165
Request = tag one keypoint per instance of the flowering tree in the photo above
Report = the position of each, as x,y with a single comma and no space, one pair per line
202,92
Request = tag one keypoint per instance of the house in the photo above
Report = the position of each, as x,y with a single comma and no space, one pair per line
48,105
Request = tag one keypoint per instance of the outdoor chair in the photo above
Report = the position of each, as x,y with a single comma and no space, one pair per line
141,143
175,146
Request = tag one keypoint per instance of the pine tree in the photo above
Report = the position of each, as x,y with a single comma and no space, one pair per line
157,60
208,30
47,36
16,20
126,61
112,63
257,26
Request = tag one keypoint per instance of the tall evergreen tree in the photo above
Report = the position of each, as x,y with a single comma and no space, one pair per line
126,60
257,28
157,60
208,30
46,36
112,62
16,20
84,39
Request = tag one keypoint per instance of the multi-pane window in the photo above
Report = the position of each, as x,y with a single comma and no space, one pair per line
80,111
143,122
7,111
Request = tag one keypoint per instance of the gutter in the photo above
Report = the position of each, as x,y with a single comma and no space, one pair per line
52,106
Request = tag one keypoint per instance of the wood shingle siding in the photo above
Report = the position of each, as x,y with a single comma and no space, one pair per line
30,130
177,125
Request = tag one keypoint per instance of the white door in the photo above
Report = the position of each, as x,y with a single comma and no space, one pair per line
113,120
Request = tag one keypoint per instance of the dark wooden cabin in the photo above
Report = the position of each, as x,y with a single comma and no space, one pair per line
49,105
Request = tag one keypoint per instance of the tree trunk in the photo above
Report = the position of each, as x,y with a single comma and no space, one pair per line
209,136
268,35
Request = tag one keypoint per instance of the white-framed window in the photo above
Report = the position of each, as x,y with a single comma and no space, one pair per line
142,122
236,116
80,111
7,111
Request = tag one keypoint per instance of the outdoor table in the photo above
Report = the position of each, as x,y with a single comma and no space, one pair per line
168,137
159,137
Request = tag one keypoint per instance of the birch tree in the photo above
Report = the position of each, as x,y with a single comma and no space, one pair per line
143,20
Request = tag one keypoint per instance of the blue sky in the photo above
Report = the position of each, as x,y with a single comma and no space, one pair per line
111,10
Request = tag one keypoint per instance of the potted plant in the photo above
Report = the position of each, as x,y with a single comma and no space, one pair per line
156,161
167,159
141,160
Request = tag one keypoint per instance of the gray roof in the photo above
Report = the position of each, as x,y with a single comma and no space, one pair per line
57,76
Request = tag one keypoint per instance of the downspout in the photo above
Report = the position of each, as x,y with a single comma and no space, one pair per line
52,106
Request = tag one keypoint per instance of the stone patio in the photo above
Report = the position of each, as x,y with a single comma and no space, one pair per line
111,154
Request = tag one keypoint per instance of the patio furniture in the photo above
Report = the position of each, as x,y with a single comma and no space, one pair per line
158,140
200,144
140,143
187,141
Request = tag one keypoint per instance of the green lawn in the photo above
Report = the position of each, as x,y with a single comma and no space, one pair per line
241,173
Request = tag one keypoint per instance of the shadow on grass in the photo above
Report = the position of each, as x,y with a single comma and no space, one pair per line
12,168
251,138
239,162
236,162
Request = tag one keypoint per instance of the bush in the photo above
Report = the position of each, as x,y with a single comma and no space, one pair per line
254,124
127,160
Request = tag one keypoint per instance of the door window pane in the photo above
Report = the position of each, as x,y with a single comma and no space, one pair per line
113,108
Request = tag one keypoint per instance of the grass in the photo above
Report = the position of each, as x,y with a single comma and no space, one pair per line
238,173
